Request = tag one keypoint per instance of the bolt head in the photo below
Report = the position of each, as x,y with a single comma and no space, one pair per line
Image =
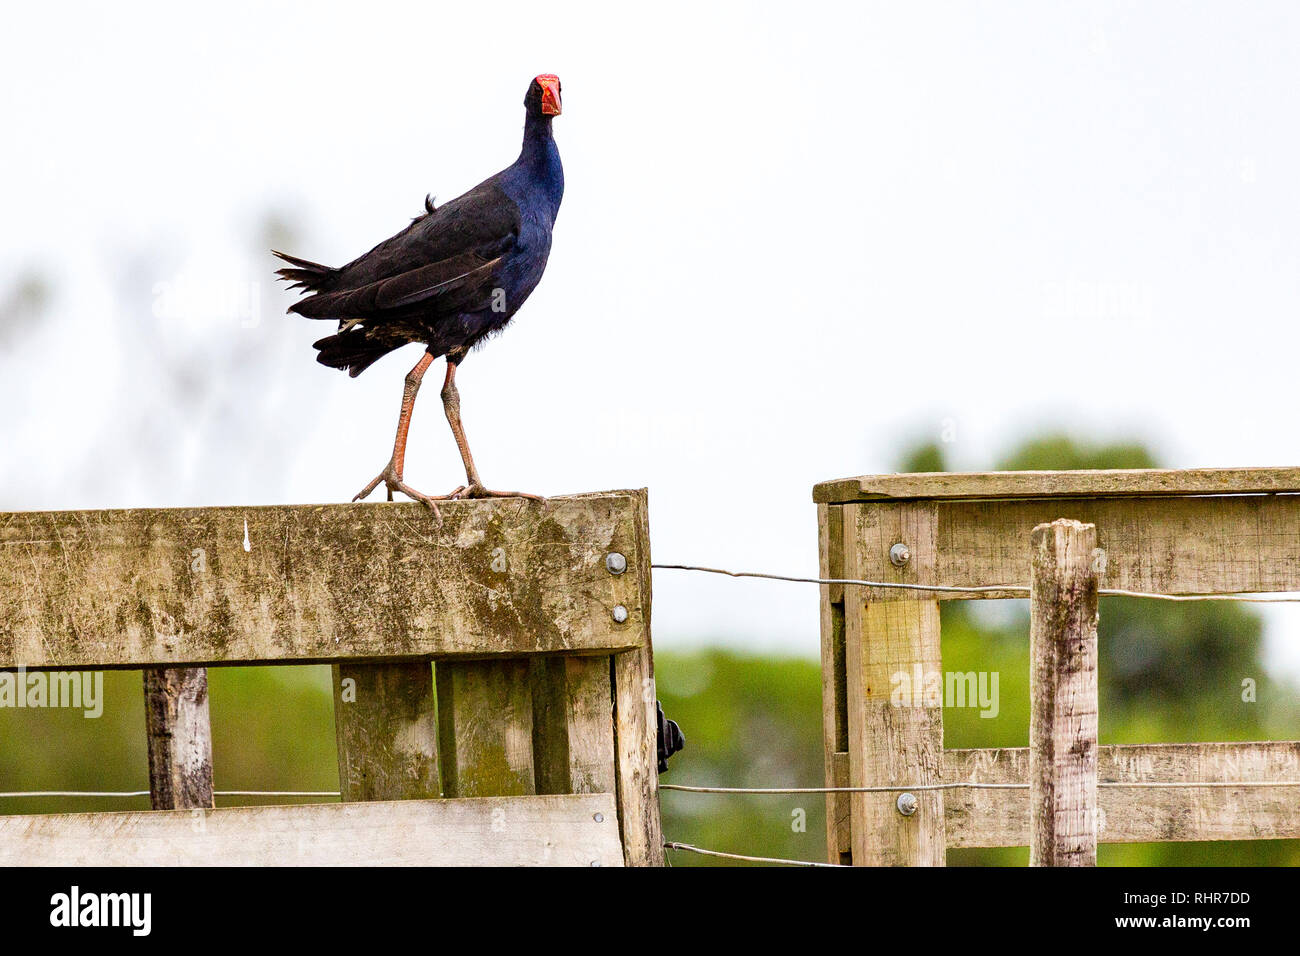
899,555
906,804
615,563
599,817
620,614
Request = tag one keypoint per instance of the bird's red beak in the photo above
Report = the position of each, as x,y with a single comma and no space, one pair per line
550,84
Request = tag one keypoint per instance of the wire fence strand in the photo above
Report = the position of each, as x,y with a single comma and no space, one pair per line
683,788
19,794
688,788
981,588
971,785
748,859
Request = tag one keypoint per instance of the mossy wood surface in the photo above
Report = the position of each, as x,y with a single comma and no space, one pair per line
231,585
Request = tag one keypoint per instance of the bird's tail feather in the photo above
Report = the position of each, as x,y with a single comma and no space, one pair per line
308,275
350,350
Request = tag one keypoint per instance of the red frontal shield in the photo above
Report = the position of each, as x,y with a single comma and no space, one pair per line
550,84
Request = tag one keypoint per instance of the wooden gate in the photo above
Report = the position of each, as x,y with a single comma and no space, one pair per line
493,678
1203,532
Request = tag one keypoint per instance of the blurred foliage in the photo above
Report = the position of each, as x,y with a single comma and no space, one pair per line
272,729
749,722
22,306
1169,672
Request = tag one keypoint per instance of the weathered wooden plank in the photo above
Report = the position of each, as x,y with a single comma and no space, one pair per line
179,738
175,587
839,839
893,739
1192,545
1063,695
573,725
485,719
835,727
386,725
1140,814
636,758
1037,484
635,750
571,830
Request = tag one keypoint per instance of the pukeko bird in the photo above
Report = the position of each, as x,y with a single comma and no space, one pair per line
456,275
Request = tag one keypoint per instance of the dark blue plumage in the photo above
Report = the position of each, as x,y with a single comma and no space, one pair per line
455,275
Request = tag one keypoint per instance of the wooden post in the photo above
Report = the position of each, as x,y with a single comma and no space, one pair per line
1063,694
180,738
636,766
835,707
892,667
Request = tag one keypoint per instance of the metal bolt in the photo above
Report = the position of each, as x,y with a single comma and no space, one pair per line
906,804
599,817
620,614
899,555
615,563
595,862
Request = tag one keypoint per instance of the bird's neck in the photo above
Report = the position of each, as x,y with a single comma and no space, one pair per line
539,159
537,128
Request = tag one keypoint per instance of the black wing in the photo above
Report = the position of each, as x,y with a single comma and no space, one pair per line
442,263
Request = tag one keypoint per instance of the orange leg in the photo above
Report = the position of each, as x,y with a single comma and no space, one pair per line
473,487
391,476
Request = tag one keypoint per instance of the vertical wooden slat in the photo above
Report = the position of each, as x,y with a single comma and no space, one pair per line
635,725
893,646
485,720
1063,695
835,728
573,725
387,731
180,738
550,729
638,769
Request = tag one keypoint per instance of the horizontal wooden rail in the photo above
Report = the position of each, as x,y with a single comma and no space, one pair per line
1140,814
1172,545
1059,484
286,584
982,818
557,830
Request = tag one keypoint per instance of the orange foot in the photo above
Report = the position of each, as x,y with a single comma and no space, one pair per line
392,480
476,490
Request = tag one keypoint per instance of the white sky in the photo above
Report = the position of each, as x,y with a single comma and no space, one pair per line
793,237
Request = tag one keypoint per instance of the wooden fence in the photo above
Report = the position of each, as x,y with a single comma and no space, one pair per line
529,739
1207,532
494,679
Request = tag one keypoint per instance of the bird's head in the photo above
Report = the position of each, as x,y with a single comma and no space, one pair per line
544,95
